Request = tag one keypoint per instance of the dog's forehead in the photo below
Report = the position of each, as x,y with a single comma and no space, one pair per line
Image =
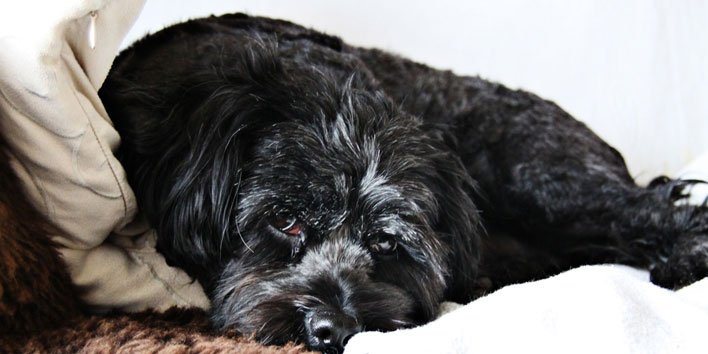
362,172
358,158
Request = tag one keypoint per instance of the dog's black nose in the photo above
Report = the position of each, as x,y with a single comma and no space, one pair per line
329,331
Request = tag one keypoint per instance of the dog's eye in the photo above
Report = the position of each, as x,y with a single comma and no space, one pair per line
287,225
383,244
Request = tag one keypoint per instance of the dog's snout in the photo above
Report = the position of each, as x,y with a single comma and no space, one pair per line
329,331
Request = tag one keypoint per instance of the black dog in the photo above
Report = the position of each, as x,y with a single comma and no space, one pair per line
317,189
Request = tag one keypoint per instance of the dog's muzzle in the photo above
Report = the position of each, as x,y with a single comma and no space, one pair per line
328,325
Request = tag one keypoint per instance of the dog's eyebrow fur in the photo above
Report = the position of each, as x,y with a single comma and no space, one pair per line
375,191
372,187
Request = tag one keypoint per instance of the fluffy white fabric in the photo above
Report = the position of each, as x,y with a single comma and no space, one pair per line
592,309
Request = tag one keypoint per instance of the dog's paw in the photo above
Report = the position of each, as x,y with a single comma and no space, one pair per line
687,264
681,191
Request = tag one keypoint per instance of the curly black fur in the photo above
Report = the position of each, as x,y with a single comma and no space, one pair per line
232,123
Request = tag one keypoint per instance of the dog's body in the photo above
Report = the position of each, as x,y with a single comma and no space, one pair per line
317,189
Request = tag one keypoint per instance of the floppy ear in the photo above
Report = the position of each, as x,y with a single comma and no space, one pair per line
185,135
185,171
459,222
193,195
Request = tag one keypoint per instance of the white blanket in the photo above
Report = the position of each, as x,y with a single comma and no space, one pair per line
592,309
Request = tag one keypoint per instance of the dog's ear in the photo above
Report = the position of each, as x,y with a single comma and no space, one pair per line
188,187
458,221
185,133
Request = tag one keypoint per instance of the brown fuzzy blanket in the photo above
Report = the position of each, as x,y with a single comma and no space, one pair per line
40,310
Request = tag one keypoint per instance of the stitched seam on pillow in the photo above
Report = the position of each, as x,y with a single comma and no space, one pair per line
105,156
173,293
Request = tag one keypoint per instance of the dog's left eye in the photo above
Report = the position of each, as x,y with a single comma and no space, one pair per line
287,225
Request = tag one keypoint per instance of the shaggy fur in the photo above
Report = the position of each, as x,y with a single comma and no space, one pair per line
317,189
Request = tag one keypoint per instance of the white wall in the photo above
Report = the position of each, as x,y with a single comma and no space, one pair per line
635,70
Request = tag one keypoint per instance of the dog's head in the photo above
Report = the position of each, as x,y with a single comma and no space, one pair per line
308,205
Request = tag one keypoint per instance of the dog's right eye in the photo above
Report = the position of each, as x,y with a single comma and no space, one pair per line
287,225
383,244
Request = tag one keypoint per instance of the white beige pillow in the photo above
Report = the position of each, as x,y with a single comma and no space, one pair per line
63,144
